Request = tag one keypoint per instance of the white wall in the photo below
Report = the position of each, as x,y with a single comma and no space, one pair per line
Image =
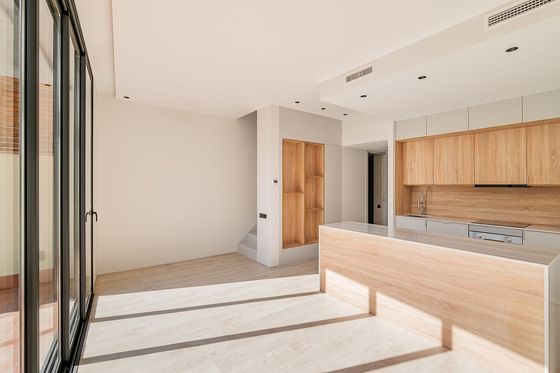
354,185
274,124
268,153
172,185
365,129
299,125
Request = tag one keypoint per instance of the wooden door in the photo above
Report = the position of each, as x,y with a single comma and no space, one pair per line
454,160
418,159
501,157
543,154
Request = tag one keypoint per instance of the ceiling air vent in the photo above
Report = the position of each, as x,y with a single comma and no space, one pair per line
515,11
359,74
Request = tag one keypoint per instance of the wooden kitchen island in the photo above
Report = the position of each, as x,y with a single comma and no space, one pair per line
497,303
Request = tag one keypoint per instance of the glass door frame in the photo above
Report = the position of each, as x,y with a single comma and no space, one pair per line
67,353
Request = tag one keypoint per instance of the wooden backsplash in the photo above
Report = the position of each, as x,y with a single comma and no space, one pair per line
534,205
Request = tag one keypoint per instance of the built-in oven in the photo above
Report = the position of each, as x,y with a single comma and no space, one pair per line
497,233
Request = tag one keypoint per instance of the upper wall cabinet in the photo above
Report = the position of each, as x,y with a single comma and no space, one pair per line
410,128
543,154
540,106
454,160
450,121
418,160
496,114
501,157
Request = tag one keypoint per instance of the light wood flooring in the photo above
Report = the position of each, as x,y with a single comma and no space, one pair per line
229,314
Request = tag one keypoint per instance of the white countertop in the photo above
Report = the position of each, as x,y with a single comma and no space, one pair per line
502,250
533,227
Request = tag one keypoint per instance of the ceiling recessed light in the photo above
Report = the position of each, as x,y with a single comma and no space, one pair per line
127,97
345,114
422,77
512,49
363,96
323,108
296,102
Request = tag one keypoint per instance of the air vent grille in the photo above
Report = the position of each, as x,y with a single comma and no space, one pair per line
515,11
359,74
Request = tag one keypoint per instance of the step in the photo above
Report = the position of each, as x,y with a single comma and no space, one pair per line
247,251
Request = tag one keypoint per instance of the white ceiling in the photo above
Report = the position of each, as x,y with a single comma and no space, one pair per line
478,73
232,57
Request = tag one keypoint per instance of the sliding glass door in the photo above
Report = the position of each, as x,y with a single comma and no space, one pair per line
74,182
49,194
46,185
10,248
88,186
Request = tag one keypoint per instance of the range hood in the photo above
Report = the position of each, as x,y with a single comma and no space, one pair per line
502,186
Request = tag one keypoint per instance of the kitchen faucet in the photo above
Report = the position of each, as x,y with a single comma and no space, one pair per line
422,201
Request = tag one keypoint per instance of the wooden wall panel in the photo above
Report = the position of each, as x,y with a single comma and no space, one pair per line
488,307
534,205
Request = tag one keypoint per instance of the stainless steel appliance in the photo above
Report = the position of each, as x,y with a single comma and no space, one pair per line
497,231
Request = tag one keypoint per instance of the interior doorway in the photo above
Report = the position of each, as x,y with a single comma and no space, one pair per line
377,187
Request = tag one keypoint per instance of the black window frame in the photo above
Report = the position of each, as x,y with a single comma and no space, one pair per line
67,352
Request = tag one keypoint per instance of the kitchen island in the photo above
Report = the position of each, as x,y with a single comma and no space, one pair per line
497,303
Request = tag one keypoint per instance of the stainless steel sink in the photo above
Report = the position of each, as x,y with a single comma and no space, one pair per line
417,216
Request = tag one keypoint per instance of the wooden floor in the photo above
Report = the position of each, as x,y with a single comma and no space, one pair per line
229,314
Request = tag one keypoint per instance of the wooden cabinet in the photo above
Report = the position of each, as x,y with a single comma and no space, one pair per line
303,184
418,162
496,114
545,105
448,122
500,157
410,128
454,160
543,154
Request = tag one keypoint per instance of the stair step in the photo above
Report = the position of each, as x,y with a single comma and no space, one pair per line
247,251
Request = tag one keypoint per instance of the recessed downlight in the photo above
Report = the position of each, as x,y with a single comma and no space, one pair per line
127,97
422,77
512,49
323,108
363,96
297,102
345,114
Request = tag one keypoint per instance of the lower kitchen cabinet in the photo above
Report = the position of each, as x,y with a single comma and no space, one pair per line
408,222
449,228
542,240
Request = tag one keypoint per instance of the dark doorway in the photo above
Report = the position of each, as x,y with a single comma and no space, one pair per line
377,188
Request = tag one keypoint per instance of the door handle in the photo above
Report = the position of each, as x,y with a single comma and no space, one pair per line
92,213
